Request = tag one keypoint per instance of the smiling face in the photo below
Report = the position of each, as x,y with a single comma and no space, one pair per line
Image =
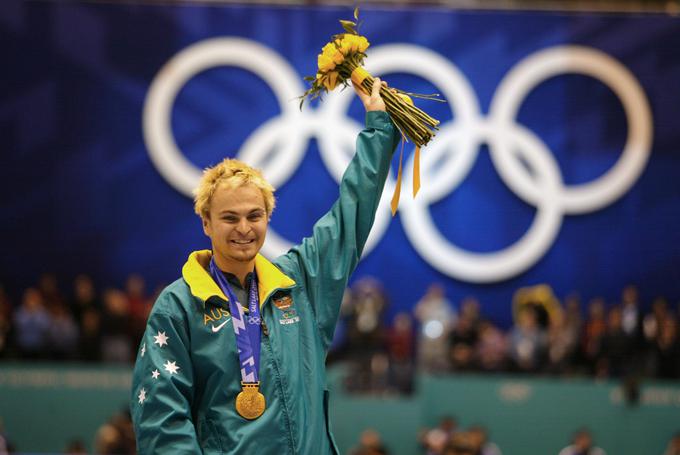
237,225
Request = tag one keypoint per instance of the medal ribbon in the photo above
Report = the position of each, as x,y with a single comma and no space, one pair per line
246,328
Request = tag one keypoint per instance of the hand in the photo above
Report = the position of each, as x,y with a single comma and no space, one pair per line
374,101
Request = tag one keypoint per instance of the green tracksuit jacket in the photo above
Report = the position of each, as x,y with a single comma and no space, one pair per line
187,375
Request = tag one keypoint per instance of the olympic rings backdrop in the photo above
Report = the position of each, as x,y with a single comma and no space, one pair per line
557,162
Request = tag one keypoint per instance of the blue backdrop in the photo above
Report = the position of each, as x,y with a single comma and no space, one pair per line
80,193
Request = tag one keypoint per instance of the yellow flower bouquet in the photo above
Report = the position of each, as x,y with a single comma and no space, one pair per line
340,63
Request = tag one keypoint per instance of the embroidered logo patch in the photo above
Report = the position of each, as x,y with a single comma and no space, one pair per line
216,329
289,317
283,302
216,318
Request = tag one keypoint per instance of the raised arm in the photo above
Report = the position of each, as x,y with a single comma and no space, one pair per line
324,261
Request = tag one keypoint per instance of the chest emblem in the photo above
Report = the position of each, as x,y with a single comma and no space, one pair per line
283,302
288,315
216,318
217,328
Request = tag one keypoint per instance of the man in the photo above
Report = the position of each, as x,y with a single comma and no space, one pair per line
481,443
582,445
673,445
193,391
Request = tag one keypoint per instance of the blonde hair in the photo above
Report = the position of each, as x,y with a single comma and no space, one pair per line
232,173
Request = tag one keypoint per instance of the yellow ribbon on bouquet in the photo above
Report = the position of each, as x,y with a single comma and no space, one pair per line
359,75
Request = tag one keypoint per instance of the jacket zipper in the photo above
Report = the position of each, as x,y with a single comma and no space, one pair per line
291,439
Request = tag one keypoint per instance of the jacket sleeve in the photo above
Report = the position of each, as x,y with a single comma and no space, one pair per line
325,260
161,405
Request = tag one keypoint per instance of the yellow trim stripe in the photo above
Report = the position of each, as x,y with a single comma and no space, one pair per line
269,278
202,286
195,273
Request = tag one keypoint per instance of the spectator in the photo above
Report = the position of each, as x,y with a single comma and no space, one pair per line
463,341
116,437
631,317
562,341
667,350
379,378
31,321
400,346
540,299
62,335
115,328
52,298
5,303
366,336
5,322
368,304
5,447
573,320
75,447
480,441
139,304
491,348
84,298
673,445
86,309
436,317
90,336
461,444
617,347
370,443
651,327
464,336
340,348
593,332
631,322
528,341
653,321
435,440
582,444
470,309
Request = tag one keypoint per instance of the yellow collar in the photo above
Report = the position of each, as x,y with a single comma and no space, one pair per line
195,273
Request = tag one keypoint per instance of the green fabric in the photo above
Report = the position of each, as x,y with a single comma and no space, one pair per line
193,411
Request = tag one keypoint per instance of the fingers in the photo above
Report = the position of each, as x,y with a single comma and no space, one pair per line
372,102
361,92
377,83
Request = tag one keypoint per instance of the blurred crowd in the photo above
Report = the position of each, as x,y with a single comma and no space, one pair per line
447,438
114,437
621,339
81,325
550,337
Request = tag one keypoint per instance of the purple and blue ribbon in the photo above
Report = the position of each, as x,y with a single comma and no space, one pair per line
246,328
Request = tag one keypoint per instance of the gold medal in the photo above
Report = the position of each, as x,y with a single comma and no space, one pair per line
250,402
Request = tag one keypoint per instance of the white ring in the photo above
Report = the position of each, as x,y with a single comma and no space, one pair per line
268,65
278,146
527,74
508,262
